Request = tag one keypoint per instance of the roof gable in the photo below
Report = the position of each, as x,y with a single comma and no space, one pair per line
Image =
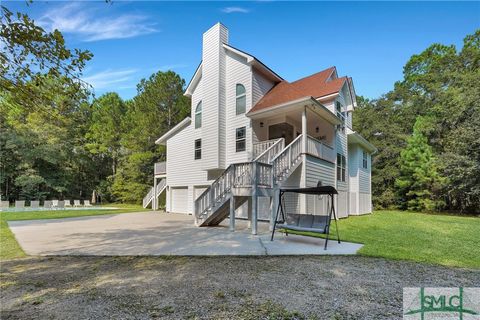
317,85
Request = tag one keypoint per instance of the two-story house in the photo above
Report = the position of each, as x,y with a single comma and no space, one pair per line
251,132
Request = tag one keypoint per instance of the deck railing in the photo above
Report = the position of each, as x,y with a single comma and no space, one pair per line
320,150
264,175
160,168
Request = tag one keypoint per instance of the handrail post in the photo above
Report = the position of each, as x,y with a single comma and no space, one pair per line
232,212
154,200
254,200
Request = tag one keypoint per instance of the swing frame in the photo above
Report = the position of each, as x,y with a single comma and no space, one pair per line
319,190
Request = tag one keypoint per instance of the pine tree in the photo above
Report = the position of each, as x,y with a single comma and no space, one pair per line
419,182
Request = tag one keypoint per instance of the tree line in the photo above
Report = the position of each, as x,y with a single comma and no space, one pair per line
59,141
427,130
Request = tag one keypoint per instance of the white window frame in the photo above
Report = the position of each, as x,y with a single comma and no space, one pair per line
198,115
340,112
365,160
197,149
239,96
341,167
240,140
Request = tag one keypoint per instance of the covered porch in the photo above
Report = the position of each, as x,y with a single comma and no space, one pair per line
305,118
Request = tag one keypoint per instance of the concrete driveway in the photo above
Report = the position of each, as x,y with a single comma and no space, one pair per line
159,234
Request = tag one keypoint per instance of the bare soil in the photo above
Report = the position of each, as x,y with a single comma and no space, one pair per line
324,287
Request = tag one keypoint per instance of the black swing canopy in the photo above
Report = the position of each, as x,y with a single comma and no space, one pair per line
305,222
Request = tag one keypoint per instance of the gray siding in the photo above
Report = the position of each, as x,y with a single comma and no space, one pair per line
260,86
324,171
318,169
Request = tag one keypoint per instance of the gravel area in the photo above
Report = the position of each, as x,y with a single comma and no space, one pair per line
323,287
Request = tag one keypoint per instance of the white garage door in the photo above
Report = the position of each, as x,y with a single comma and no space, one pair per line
179,200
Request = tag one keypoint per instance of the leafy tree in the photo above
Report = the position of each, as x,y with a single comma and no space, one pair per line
443,86
419,182
158,106
381,124
31,57
106,127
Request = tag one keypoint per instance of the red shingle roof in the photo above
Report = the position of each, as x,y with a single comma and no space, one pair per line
315,86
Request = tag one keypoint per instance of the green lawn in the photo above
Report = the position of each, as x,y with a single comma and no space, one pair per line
441,239
9,248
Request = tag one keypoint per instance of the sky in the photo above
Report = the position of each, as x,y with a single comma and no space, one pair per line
368,41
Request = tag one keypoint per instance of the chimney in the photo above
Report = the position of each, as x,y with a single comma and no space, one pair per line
213,101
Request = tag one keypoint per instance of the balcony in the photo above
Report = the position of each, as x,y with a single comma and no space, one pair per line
320,150
160,169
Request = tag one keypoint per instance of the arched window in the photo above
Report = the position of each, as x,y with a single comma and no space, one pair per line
198,115
241,101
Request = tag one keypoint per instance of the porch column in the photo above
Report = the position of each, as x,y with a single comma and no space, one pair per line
304,129
232,213
154,198
303,178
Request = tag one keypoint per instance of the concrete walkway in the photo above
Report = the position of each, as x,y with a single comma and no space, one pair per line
160,234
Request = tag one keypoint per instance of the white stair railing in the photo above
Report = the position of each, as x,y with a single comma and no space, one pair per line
207,200
267,155
287,158
275,163
148,198
237,175
260,147
160,186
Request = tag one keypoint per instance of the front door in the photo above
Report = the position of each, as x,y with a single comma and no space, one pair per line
281,130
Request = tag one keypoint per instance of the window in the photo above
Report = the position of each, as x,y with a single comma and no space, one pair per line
341,167
198,149
365,160
340,112
241,101
240,138
198,115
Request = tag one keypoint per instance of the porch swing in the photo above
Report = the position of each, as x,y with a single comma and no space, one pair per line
305,222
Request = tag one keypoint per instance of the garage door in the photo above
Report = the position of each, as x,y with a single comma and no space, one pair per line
180,200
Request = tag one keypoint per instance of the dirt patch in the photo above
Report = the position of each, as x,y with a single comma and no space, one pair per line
215,288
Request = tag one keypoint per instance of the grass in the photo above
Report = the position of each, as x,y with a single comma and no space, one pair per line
9,247
447,240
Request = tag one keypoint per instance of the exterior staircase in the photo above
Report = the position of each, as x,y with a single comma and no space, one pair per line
269,169
154,193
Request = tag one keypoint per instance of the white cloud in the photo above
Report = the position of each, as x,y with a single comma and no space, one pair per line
235,10
172,66
109,79
74,18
